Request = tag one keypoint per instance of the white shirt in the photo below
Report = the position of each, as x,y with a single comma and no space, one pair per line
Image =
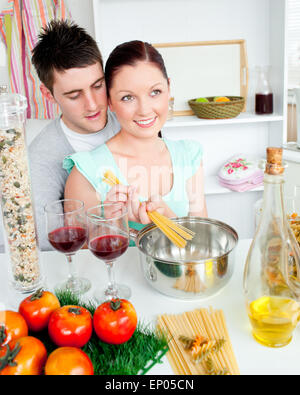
87,142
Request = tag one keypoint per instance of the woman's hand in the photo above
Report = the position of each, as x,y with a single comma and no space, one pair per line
118,193
137,211
154,204
127,197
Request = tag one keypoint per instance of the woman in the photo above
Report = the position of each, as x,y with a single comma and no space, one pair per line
156,174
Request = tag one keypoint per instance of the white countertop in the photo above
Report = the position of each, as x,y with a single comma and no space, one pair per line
252,357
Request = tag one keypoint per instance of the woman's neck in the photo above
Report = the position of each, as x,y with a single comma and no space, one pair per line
131,145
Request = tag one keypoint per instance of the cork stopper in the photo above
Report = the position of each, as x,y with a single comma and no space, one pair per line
274,161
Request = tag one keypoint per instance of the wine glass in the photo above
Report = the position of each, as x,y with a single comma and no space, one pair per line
108,239
67,233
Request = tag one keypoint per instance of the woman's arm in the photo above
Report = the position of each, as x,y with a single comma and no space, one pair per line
78,187
195,191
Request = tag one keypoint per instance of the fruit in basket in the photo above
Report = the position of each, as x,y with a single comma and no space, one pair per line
69,361
202,100
70,326
115,321
219,99
23,357
12,326
37,309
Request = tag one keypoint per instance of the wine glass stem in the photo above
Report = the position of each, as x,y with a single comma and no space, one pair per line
111,278
72,269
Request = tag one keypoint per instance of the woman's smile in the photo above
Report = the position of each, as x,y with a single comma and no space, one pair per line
146,123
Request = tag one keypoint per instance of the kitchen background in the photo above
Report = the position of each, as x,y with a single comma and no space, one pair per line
264,25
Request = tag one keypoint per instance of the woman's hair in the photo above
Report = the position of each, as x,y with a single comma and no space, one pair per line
128,54
63,45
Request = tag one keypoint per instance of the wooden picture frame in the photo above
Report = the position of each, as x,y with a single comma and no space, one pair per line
205,68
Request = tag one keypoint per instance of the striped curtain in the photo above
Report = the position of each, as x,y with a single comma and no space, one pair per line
20,24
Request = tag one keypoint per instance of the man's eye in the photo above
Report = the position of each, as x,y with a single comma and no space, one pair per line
74,97
155,92
127,98
98,86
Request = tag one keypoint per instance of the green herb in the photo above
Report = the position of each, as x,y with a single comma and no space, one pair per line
17,184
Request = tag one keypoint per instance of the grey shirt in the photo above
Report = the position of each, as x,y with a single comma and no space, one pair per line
46,154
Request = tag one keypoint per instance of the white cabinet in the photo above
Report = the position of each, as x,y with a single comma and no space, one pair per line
262,24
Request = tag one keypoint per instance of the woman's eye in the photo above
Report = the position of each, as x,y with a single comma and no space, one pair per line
127,98
155,92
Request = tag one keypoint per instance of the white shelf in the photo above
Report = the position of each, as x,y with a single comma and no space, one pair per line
212,187
291,153
192,120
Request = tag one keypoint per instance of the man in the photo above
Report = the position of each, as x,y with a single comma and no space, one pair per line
70,67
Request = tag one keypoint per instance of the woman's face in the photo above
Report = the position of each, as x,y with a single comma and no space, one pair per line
139,96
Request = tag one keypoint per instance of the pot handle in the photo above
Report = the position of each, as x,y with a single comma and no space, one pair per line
133,234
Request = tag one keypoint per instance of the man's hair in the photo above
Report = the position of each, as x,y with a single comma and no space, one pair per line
63,45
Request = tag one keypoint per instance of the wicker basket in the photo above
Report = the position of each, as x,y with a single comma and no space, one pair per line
218,110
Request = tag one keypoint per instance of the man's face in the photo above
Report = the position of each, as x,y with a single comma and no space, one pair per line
81,96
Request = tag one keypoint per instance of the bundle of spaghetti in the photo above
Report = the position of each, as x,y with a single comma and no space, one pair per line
199,343
177,233
190,281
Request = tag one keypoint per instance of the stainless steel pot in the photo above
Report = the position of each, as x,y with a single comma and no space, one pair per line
197,271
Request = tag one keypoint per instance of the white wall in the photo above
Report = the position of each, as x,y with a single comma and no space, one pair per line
292,177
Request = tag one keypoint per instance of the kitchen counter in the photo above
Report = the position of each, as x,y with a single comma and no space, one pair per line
252,357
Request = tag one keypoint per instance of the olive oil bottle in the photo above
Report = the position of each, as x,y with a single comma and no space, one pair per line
272,270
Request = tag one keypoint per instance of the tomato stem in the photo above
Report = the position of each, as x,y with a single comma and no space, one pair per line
115,304
10,355
37,295
75,310
2,333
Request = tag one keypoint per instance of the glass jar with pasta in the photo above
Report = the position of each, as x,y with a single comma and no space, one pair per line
16,202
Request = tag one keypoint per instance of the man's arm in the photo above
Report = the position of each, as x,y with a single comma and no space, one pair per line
47,187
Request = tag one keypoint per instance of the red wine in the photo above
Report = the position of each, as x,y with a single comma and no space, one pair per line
68,239
109,247
264,103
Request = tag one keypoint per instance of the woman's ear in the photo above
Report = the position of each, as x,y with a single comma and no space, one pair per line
47,93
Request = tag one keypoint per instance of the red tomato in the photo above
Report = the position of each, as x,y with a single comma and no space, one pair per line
69,361
70,326
37,308
12,326
115,321
23,357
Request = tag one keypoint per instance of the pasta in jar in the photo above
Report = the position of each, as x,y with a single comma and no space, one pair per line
17,209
